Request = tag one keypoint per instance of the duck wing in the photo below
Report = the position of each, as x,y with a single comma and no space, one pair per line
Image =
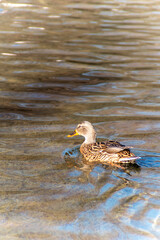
111,147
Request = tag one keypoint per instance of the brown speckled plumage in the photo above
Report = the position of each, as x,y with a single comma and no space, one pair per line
102,152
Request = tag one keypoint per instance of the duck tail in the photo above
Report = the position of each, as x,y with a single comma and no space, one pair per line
128,159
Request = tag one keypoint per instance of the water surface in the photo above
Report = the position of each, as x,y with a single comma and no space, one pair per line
62,63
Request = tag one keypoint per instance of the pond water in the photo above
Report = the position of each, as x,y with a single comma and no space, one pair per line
63,62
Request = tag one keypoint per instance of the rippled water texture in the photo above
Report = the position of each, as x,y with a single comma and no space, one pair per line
63,62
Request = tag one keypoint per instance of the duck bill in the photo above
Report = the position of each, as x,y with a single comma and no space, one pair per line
73,134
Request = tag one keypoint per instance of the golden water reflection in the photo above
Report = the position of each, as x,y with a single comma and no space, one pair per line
61,64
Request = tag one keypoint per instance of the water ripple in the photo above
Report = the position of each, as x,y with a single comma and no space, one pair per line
60,65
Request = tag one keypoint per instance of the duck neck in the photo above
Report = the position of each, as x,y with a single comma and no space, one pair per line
91,138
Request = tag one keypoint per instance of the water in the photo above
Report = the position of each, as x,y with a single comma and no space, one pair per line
61,63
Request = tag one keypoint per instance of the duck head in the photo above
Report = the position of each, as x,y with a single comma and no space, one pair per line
86,130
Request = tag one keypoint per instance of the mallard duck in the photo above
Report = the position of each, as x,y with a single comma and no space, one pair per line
101,152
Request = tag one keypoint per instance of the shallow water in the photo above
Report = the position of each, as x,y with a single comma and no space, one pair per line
62,63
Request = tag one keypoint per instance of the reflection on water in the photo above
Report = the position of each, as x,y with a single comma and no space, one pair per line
62,64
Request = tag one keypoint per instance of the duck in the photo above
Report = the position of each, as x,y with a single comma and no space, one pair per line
101,152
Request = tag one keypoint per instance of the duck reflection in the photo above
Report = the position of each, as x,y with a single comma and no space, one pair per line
74,159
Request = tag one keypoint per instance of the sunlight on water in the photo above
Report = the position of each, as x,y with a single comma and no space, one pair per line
62,64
